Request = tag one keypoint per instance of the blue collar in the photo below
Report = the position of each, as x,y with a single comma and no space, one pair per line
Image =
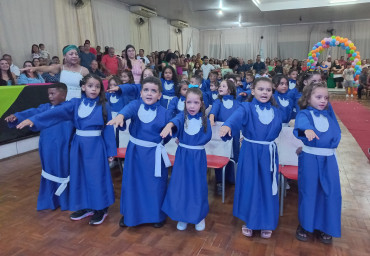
152,107
87,101
196,116
266,105
182,98
317,112
227,97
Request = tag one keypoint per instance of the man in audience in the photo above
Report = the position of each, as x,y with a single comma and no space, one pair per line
91,49
206,67
110,62
55,60
258,65
86,56
142,56
328,62
13,68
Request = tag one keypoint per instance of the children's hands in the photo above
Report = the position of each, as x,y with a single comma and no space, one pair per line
113,89
310,135
212,119
225,130
243,94
110,159
166,130
27,69
11,118
25,123
117,121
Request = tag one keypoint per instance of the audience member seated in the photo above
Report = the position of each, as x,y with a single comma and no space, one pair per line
86,57
110,63
28,77
94,69
13,68
35,51
5,73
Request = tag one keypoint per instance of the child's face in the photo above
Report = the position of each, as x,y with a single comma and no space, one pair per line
212,87
239,81
319,98
150,93
91,88
125,78
184,89
112,83
248,79
193,103
168,74
147,73
223,89
219,77
262,91
56,96
293,75
184,77
42,47
194,81
212,77
282,87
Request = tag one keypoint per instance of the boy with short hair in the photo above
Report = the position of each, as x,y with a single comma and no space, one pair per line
54,152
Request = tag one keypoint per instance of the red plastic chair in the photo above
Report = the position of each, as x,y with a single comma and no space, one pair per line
121,154
286,172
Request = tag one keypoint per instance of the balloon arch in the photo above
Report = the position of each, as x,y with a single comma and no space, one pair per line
345,44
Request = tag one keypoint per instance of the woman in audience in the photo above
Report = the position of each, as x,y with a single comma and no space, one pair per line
29,77
132,64
5,73
71,72
35,51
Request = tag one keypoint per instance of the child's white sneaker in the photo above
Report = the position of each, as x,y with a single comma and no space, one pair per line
182,225
347,95
201,225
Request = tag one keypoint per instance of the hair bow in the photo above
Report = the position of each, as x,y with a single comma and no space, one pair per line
193,86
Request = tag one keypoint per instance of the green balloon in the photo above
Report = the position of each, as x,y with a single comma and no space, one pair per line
312,61
310,54
352,58
332,37
347,51
351,51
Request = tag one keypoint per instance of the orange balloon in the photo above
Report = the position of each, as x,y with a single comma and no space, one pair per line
345,40
313,55
358,53
358,76
337,38
341,40
354,92
354,48
322,42
346,43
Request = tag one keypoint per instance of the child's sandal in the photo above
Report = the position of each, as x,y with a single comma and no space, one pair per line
246,231
325,238
266,234
301,234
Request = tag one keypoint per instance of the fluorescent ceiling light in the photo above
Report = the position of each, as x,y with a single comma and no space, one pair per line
256,2
341,1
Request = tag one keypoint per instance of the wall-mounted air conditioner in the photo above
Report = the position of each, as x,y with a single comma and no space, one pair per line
143,11
179,24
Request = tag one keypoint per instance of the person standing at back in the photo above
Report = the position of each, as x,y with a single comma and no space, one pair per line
258,65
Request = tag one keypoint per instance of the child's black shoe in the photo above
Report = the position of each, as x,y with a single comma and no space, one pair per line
98,217
80,214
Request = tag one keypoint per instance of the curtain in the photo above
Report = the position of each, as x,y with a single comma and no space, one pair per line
111,23
159,34
139,33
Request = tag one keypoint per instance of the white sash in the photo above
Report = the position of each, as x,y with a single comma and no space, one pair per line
63,181
191,147
160,152
273,167
318,151
88,133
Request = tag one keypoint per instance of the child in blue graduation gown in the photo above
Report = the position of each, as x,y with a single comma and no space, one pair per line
256,199
222,109
177,104
186,199
212,94
169,84
319,198
293,74
54,152
281,97
144,179
91,187
114,97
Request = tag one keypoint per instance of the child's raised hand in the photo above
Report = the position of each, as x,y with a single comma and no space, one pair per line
113,89
25,123
310,135
225,130
166,130
212,119
243,94
31,69
11,118
117,121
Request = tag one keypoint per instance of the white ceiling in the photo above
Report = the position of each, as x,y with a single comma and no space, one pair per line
203,14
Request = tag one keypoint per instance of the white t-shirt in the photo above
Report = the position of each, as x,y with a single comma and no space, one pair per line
145,59
206,69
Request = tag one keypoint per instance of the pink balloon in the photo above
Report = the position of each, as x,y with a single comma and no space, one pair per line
336,43
315,58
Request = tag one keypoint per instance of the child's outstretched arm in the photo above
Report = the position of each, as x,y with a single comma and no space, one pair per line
113,89
225,130
310,135
11,118
117,121
212,119
167,130
25,123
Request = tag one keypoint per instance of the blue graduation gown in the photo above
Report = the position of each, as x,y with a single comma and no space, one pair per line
319,198
223,110
168,91
54,155
142,193
130,91
90,183
294,94
187,194
211,96
285,105
115,100
292,84
254,201
239,97
176,106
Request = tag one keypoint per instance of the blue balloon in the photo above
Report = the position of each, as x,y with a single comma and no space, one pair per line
314,48
354,54
358,72
317,54
309,64
310,57
319,44
357,66
347,48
